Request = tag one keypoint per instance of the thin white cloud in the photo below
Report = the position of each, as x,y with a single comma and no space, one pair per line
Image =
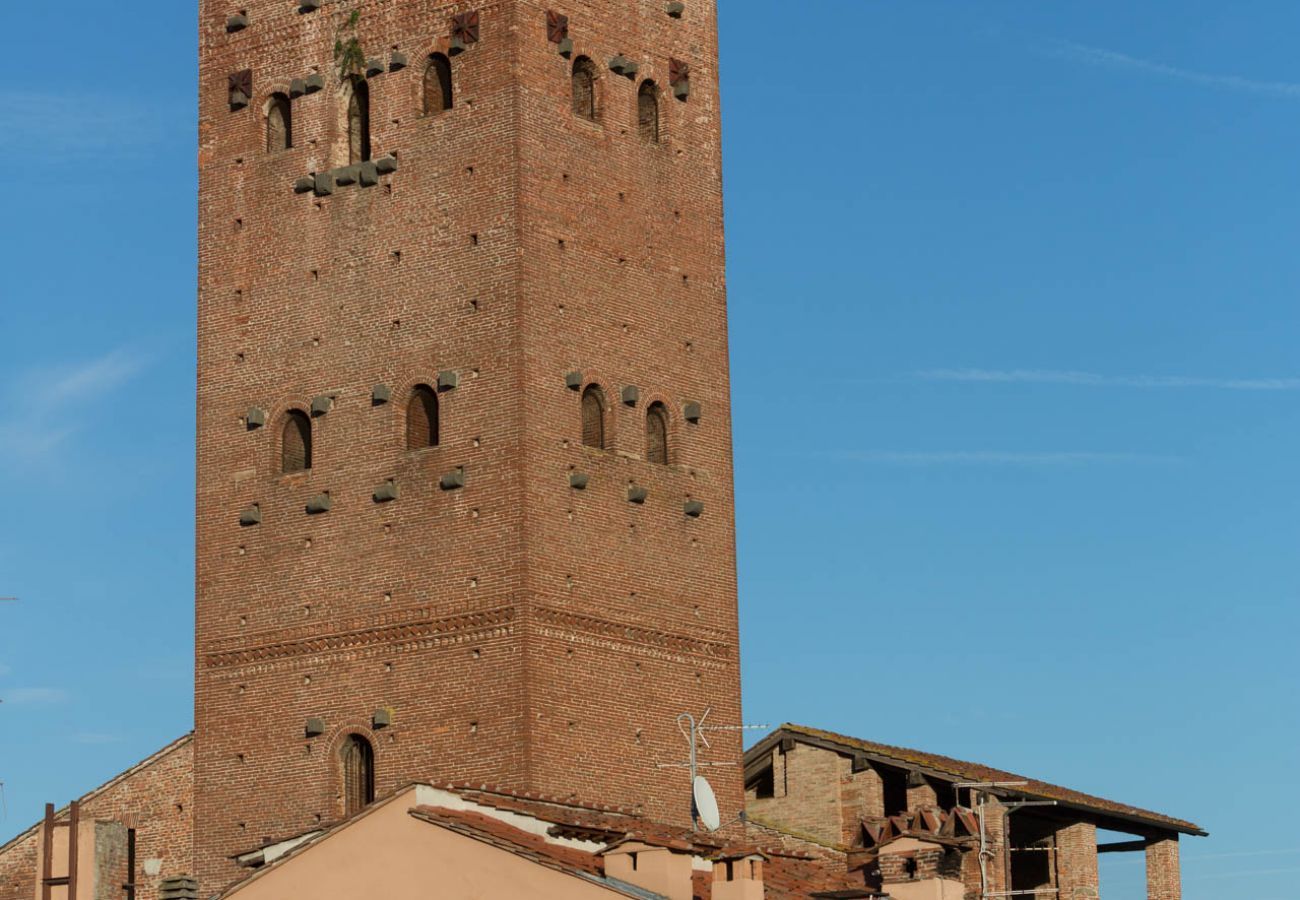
1111,59
35,423
72,126
1094,379
1001,458
34,696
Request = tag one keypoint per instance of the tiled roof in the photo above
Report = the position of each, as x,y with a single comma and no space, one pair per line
786,876
968,771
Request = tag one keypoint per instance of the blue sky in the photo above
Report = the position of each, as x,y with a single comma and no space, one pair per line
1014,326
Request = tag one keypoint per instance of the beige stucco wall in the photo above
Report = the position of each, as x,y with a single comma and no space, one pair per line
389,854
933,889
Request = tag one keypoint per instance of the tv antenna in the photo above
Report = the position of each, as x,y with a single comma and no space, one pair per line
704,803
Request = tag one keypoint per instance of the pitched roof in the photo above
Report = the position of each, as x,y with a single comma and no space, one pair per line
182,741
959,770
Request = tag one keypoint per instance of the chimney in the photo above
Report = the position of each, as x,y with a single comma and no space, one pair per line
738,877
661,870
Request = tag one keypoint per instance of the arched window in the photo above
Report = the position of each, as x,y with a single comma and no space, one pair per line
295,443
656,434
422,419
437,85
584,88
359,122
593,417
279,124
358,761
647,112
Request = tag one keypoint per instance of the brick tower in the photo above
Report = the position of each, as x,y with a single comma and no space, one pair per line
465,503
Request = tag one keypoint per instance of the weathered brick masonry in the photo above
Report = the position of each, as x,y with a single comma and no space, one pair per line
520,630
153,798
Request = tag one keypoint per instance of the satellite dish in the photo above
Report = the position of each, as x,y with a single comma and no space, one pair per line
706,804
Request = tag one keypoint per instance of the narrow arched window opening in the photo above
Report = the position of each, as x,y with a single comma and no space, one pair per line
584,88
359,122
656,434
295,443
647,112
358,761
279,124
593,417
437,85
422,419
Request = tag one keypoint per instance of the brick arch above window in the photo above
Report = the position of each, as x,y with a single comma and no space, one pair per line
423,416
437,94
279,123
295,442
649,125
583,80
657,434
595,431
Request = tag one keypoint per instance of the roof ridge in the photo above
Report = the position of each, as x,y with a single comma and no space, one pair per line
112,782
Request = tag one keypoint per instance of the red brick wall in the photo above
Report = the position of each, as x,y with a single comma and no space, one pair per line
523,632
1164,878
155,798
1076,861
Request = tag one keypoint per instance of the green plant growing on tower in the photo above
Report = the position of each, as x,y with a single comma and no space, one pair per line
348,55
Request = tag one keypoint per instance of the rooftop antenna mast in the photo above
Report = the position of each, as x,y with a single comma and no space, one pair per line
696,732
982,790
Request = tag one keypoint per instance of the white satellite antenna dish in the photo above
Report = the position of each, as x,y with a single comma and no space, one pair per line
706,804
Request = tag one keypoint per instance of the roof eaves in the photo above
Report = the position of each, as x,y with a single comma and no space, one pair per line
946,767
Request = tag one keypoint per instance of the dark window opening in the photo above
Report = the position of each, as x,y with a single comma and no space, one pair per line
358,759
593,417
422,419
437,85
359,122
1032,859
909,866
656,434
647,112
279,124
945,795
584,88
295,443
894,789
763,784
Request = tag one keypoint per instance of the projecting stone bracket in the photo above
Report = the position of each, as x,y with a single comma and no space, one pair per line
307,6
237,22
694,508
454,480
676,8
380,395
386,492
448,381
365,174
637,494
578,481
573,381
319,505
315,727
256,419
251,516
693,412
382,718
